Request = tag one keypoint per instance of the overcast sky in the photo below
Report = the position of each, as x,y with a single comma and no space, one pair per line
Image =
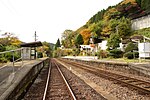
49,18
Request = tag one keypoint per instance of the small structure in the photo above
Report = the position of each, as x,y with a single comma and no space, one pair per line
29,50
144,47
144,50
103,45
87,49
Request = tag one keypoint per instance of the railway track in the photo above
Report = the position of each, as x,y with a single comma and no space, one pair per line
57,86
51,84
143,87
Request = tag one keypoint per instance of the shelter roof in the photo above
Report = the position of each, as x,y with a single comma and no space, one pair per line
31,44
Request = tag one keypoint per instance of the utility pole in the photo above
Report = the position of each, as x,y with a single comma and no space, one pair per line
35,36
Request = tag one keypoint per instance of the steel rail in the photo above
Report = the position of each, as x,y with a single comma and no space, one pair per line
69,88
111,75
47,82
96,72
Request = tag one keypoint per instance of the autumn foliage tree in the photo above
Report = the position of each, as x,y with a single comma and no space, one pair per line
86,34
67,38
9,39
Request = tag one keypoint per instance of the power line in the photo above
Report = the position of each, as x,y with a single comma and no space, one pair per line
6,5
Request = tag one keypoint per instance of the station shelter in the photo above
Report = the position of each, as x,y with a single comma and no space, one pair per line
29,50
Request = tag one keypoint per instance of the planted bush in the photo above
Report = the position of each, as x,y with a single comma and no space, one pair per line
9,56
102,54
130,47
40,54
3,60
131,55
116,53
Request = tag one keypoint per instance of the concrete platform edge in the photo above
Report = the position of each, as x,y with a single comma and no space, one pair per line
21,78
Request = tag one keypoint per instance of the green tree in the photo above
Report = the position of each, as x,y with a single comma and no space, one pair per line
2,48
124,28
9,55
67,38
139,2
76,51
57,44
97,17
113,41
10,39
113,23
130,47
79,40
96,28
145,4
145,32
49,48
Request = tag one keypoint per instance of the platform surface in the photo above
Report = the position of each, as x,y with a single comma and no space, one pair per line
8,72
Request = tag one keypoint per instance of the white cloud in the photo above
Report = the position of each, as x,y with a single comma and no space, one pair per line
48,17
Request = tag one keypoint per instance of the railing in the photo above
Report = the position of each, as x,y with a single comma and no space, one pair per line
12,53
8,70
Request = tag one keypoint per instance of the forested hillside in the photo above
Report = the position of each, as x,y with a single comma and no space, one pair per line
112,24
114,19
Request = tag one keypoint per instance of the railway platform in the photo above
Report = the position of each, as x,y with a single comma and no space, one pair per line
140,67
14,78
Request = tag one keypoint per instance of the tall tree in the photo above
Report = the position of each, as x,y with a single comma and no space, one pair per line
113,41
57,44
145,4
124,27
79,40
47,48
9,39
67,38
86,34
139,2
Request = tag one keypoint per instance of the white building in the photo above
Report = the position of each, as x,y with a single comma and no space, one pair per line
87,49
144,50
103,45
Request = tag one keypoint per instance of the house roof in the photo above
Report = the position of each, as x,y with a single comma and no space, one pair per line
137,37
125,41
132,39
31,44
